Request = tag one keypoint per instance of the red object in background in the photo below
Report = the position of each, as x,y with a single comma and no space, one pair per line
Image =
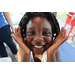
70,21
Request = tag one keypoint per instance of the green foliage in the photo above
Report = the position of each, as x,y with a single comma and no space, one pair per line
21,13
62,16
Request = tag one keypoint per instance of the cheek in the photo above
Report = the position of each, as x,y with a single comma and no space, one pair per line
28,41
48,41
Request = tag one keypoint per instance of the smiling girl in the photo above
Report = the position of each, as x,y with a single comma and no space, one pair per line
35,37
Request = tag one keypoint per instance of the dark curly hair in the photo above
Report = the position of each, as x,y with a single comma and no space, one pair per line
48,15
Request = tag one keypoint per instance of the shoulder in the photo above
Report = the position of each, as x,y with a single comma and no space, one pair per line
19,55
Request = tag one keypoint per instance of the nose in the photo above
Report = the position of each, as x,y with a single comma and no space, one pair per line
38,38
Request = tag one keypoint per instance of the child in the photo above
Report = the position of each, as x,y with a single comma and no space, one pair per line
35,37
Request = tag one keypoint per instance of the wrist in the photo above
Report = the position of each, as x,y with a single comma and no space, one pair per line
51,58
52,50
25,58
50,53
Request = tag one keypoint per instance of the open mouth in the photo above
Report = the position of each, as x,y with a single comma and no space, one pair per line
38,47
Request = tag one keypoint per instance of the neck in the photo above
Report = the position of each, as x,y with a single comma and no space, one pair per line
38,57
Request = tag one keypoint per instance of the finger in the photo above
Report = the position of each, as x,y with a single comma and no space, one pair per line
15,38
62,30
16,34
64,33
65,38
19,31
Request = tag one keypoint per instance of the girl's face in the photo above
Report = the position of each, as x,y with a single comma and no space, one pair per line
38,35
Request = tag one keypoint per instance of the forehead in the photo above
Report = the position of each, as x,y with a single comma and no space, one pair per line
39,22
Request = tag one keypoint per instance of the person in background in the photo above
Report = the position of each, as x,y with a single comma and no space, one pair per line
5,34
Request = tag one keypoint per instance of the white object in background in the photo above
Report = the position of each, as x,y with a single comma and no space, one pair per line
5,59
73,16
5,44
16,16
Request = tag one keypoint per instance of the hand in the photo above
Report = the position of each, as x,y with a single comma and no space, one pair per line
61,38
13,31
18,38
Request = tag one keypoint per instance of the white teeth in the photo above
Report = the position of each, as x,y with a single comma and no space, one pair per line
38,46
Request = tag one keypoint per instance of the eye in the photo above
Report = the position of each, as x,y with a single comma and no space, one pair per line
46,33
30,33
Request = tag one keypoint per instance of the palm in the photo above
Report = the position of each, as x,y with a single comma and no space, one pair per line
61,38
18,38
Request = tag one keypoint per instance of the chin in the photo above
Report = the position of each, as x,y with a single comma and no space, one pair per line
37,53
38,50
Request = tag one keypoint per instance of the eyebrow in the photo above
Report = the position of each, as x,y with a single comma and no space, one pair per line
46,29
31,28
